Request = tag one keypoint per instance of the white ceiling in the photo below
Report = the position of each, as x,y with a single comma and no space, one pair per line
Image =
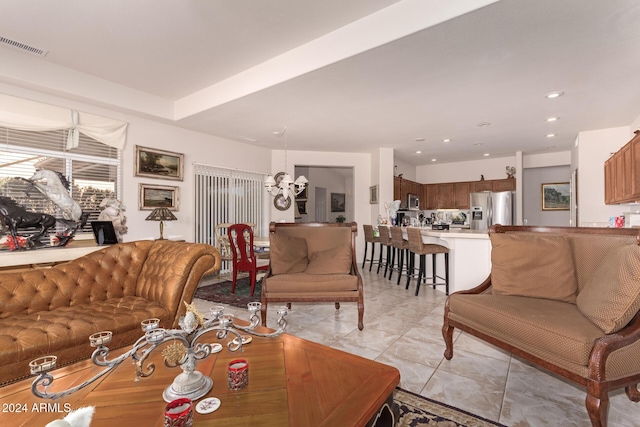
343,75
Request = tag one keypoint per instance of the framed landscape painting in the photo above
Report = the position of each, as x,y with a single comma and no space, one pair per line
157,196
556,197
154,163
337,202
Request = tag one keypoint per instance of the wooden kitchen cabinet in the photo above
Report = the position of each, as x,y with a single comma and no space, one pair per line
461,192
482,186
622,174
445,196
508,184
433,194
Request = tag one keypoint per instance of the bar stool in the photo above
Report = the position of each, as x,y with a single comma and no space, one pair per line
416,246
401,246
385,241
370,238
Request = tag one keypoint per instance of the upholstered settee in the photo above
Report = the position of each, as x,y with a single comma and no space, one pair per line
565,299
313,262
53,311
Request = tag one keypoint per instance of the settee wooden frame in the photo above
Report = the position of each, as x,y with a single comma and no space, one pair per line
596,384
357,297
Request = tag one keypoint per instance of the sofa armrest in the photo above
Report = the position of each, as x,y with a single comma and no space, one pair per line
603,347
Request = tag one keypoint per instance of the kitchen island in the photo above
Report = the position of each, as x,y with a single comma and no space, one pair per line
469,256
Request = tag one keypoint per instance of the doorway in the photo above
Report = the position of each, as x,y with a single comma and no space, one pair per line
320,204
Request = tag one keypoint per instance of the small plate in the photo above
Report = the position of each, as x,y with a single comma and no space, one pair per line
208,405
246,339
216,348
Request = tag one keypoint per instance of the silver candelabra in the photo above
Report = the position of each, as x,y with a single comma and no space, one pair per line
185,352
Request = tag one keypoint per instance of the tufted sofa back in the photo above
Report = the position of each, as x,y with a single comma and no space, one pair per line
157,270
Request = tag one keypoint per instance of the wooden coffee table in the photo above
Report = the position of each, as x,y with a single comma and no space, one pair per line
291,382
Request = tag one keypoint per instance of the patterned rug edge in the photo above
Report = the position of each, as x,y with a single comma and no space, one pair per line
420,405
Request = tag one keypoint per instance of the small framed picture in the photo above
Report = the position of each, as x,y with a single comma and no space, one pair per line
302,207
337,202
556,197
373,195
156,196
154,163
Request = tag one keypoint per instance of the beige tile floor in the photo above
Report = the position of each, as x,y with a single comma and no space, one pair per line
404,331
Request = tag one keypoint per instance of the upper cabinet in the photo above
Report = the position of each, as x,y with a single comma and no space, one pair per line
448,195
622,174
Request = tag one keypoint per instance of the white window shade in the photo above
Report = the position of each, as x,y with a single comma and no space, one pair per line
23,114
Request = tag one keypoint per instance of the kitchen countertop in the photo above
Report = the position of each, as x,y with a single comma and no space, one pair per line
462,233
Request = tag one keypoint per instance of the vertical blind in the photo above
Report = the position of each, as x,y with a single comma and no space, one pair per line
226,196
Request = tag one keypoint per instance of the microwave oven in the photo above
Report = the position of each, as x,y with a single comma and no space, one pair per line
413,202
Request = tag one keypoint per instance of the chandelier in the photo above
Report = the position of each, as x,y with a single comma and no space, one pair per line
283,185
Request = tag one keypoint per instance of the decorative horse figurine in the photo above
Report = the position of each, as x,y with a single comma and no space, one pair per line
16,216
56,188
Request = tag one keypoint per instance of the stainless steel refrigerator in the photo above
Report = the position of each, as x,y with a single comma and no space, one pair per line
489,208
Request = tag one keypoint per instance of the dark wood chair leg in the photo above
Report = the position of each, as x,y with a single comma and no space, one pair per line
263,312
380,259
373,255
360,315
393,261
421,272
364,261
400,263
410,263
433,269
447,334
337,305
598,409
632,393
386,261
446,272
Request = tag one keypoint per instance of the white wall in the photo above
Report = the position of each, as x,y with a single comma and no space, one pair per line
361,163
197,147
407,170
492,168
594,148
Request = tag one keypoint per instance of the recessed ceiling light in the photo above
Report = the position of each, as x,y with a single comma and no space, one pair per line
552,119
552,95
418,152
483,124
477,144
246,138
419,139
486,154
551,135
433,160
446,140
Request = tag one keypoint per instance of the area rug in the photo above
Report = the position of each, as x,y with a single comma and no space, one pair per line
221,293
416,410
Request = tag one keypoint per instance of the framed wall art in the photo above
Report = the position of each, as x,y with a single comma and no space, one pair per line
154,163
157,196
337,202
556,197
373,195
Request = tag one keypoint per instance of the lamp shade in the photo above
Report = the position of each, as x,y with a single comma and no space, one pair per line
161,214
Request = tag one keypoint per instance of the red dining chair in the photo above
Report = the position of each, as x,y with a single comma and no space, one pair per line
244,258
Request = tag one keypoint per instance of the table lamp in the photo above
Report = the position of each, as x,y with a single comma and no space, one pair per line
161,214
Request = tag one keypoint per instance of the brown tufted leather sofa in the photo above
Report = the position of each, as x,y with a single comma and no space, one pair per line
53,311
587,332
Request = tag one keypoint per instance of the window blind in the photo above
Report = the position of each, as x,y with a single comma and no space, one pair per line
92,169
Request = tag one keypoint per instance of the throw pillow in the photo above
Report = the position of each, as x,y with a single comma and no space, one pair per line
287,254
611,297
330,261
533,266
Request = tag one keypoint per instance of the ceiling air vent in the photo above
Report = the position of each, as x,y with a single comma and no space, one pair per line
23,47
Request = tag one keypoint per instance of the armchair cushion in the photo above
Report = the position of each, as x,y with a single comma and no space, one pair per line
533,266
302,283
288,254
330,261
611,297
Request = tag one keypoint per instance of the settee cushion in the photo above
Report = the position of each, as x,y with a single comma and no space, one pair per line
288,254
303,283
611,297
538,326
330,261
533,266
